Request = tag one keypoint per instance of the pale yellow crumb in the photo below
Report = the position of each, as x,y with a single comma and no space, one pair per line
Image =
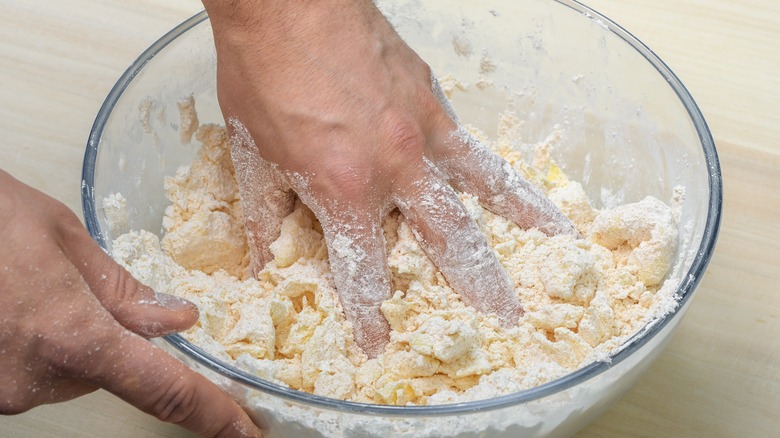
582,297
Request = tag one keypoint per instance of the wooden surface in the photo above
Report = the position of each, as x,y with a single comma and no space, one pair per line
720,376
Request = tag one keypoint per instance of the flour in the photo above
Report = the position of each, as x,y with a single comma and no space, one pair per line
115,211
583,297
461,45
188,119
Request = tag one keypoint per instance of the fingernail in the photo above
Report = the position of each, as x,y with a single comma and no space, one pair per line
172,302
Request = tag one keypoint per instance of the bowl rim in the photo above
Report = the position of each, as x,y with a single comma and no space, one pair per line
685,291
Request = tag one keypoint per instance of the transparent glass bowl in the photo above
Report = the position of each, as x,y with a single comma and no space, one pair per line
631,130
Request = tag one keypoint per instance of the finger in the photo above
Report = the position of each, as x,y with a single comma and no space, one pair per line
134,305
473,168
74,343
265,198
356,253
358,262
457,247
153,381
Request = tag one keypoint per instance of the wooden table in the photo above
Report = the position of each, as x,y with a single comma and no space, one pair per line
720,376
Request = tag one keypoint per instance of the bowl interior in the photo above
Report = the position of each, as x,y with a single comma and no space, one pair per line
630,127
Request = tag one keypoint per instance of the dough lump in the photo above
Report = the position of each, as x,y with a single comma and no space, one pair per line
582,297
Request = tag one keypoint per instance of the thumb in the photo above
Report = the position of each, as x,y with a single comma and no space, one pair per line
134,305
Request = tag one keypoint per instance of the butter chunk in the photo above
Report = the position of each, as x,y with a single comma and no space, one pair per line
208,241
324,366
564,267
647,230
598,322
306,322
446,340
253,334
550,316
297,240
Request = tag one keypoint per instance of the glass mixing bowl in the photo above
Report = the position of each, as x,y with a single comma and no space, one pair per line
631,129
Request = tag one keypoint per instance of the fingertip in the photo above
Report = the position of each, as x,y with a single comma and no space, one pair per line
186,308
183,313
245,427
372,330
358,262
163,315
241,425
151,314
214,413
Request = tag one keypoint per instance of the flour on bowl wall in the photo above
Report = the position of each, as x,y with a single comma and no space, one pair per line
583,297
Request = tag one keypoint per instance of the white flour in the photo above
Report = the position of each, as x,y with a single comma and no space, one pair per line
582,297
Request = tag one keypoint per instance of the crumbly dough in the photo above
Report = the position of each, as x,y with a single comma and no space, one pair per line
582,297
188,119
115,211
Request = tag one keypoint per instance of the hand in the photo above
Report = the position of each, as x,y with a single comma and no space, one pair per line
324,98
73,321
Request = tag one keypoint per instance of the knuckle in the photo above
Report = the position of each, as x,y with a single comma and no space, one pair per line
339,182
403,148
119,289
402,137
347,179
176,403
127,288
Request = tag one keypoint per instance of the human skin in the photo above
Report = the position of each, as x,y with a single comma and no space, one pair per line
324,100
73,321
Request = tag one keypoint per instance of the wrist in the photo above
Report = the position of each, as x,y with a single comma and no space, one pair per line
239,19
235,17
